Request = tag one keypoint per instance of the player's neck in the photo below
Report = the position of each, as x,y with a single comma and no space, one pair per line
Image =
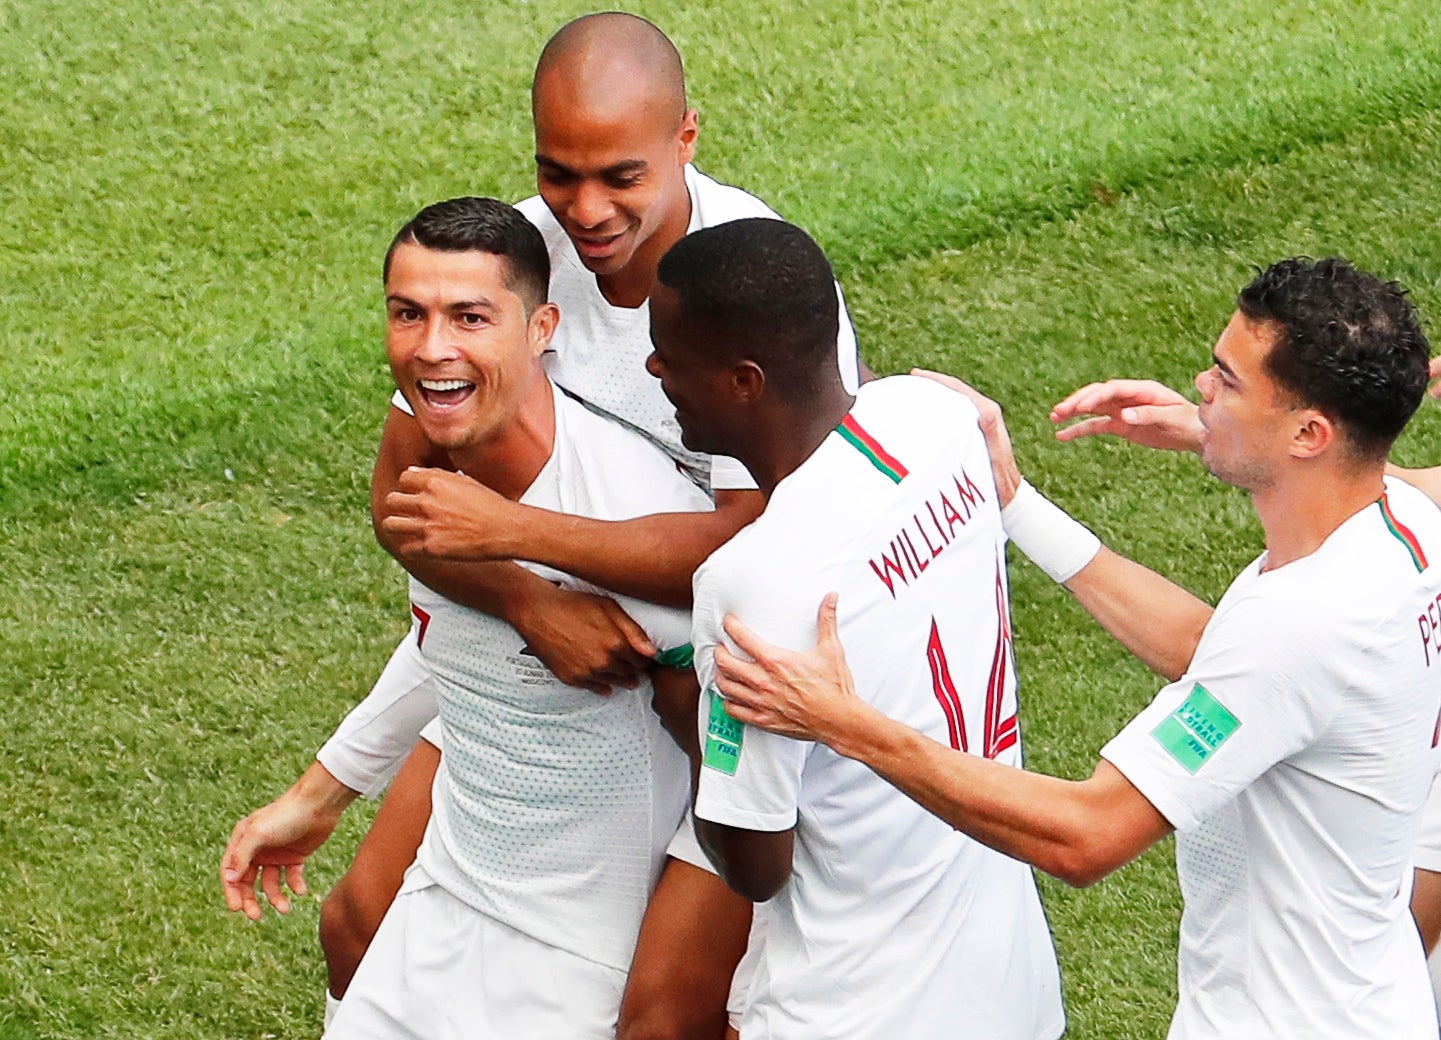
509,462
630,286
1301,511
788,437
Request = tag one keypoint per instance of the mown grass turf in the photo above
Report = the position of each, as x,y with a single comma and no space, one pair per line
195,198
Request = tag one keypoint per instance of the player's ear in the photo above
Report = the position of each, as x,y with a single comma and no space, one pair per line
686,137
1313,435
748,382
541,327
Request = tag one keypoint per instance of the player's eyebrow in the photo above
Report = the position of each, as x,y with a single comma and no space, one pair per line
479,304
620,169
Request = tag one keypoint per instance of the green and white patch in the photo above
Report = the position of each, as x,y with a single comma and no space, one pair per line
723,737
1193,732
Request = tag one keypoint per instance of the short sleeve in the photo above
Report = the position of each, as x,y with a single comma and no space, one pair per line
748,778
1257,692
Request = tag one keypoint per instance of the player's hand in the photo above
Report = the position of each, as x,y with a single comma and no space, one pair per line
1433,373
807,695
993,425
448,516
1142,411
274,842
586,640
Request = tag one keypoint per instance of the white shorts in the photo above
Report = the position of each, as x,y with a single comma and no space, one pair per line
439,970
1428,848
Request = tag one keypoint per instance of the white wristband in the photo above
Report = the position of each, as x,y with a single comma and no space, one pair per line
1054,541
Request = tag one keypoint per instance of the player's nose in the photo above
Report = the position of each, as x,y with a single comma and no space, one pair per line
591,206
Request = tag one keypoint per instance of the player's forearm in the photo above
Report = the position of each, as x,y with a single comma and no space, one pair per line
1047,822
1154,618
1151,616
500,589
321,792
650,557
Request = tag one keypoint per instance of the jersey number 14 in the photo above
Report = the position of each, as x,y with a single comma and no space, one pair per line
999,734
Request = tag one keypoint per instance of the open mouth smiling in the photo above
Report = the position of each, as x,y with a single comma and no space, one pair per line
444,393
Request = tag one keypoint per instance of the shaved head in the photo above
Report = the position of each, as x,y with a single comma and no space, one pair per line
608,62
613,140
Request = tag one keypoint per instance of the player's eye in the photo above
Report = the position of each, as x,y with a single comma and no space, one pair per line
405,314
470,319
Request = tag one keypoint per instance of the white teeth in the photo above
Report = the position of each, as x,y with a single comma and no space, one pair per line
443,384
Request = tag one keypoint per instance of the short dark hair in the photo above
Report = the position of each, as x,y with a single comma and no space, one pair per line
484,226
764,291
1347,343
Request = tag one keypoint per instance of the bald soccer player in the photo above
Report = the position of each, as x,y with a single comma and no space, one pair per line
614,140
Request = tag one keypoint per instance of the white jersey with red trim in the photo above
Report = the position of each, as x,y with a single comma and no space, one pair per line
554,805
599,349
1293,759
892,924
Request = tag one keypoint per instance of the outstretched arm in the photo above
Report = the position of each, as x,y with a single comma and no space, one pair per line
440,519
1078,831
1151,616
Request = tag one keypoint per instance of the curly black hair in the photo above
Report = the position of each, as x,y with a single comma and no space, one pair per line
1348,344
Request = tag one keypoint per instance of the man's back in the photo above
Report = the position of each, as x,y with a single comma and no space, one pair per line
893,924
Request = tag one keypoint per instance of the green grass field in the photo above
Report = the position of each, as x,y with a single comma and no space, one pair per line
193,203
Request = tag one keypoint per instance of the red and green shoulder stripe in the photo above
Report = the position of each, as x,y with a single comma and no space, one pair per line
856,436
1403,534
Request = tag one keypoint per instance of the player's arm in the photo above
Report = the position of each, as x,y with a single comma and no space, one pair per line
1078,831
587,641
436,520
1154,416
277,839
753,864
1151,616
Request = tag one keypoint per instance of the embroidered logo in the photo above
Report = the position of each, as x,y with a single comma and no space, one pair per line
1192,733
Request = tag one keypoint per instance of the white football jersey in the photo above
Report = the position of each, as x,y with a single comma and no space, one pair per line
555,805
1293,759
892,924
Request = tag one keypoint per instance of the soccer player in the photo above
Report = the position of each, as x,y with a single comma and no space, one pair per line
614,140
880,920
1294,751
555,807
1147,413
